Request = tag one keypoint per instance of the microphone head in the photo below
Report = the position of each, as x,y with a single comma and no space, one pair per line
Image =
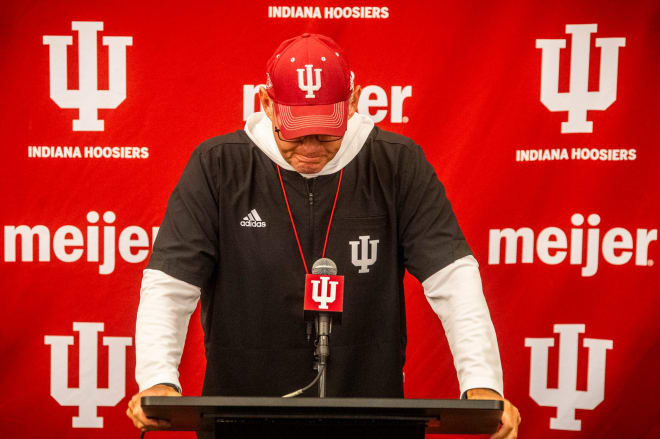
324,266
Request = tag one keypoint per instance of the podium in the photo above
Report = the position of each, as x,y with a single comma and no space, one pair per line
266,417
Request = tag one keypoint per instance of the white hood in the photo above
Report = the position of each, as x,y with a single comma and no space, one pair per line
260,130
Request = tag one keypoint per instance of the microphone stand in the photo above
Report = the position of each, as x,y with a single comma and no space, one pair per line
323,329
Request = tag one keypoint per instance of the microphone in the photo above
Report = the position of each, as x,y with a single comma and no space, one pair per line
324,266
324,290
324,297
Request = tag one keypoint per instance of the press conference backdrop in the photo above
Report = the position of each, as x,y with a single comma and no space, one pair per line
541,118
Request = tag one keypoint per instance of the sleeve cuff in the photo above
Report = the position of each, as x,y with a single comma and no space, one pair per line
160,379
481,383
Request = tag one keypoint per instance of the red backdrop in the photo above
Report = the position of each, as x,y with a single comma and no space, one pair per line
584,203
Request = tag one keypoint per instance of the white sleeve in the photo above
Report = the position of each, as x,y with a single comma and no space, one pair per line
166,304
456,296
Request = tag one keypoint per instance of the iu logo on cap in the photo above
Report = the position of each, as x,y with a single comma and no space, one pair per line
324,293
313,84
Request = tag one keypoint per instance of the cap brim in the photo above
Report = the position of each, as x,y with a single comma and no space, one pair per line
304,120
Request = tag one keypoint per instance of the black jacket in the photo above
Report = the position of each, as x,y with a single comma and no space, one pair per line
252,278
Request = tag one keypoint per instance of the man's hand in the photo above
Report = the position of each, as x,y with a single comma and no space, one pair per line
135,413
510,416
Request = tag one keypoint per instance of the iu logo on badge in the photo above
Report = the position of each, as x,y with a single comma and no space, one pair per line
88,98
87,396
578,100
324,293
324,296
566,397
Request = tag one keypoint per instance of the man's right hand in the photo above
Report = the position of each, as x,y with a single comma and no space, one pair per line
135,413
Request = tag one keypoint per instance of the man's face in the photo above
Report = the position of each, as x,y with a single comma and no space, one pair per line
308,155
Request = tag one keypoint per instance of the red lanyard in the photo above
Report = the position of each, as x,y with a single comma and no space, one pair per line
295,232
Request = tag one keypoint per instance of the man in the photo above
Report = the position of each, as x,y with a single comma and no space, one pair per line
307,178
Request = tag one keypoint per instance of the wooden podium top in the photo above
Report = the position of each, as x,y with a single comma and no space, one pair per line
444,416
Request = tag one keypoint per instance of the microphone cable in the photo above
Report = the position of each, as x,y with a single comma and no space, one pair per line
300,391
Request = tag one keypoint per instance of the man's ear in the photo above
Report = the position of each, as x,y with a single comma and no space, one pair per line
267,104
353,101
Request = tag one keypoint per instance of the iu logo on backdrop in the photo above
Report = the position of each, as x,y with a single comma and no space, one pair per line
579,99
87,396
88,98
566,397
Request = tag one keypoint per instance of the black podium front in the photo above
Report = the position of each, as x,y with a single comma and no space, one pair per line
243,417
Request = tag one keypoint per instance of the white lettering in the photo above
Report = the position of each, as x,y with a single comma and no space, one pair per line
27,235
251,99
644,238
294,12
108,265
368,12
399,94
372,96
617,245
127,242
617,238
593,236
366,102
92,237
61,241
551,238
70,243
576,239
554,154
510,250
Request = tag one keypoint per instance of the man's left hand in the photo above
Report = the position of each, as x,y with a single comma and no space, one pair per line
510,416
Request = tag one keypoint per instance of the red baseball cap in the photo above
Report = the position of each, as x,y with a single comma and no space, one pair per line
309,80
